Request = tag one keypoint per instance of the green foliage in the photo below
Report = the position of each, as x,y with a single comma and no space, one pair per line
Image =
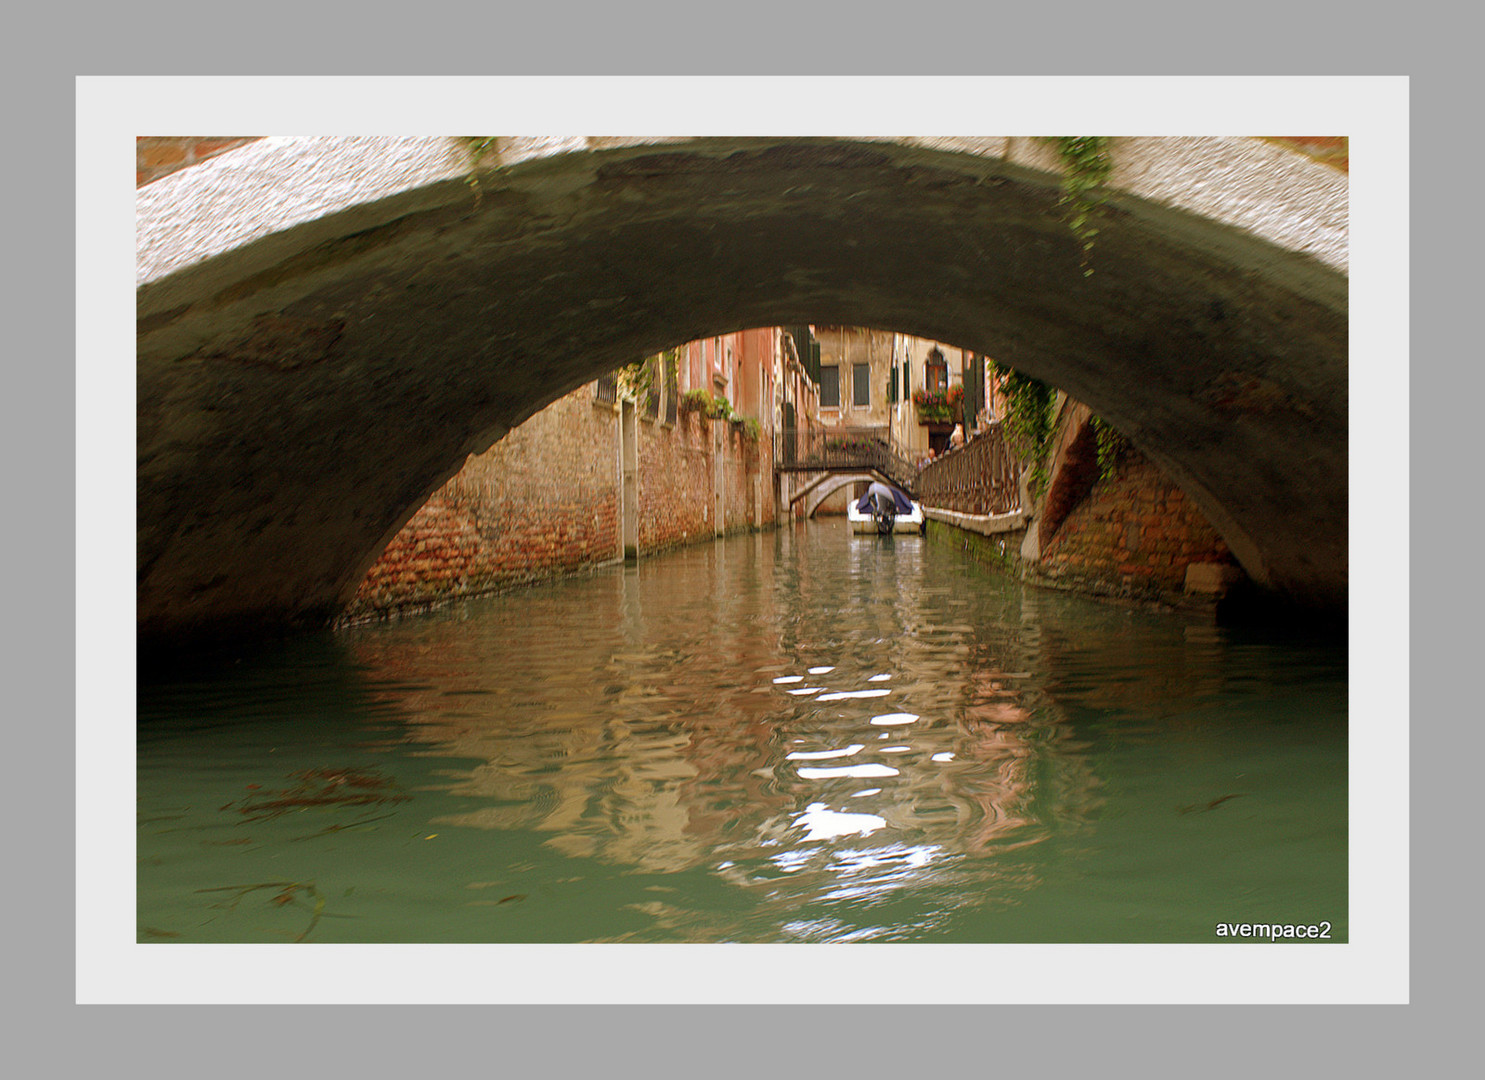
642,378
1028,422
1111,446
752,428
638,376
937,408
475,149
854,446
1086,165
703,401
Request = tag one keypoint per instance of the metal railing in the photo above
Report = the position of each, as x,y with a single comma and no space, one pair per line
838,449
982,477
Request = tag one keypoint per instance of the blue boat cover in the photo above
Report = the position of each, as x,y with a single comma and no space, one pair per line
904,504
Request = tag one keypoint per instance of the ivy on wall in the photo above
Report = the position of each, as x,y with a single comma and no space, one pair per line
719,408
1028,421
1030,425
475,149
1111,446
638,377
1085,166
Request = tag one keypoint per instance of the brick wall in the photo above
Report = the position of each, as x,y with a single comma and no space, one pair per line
1132,536
741,461
542,501
675,482
159,155
545,501
678,473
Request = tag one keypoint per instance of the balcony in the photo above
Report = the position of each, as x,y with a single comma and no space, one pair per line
939,406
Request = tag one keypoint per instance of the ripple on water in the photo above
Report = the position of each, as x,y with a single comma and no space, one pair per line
573,746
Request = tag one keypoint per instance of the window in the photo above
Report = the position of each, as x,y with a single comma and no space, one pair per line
829,386
936,374
861,384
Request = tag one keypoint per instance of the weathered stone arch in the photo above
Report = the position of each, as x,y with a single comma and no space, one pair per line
832,483
327,327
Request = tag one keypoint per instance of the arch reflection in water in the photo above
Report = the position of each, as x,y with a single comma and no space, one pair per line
623,757
685,744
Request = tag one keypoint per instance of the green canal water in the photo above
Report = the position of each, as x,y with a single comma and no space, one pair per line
801,736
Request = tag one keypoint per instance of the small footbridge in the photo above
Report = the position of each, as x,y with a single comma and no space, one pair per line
837,456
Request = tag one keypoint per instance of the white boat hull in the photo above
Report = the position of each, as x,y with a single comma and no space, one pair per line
866,524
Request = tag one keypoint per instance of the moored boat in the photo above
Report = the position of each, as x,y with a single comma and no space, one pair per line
884,510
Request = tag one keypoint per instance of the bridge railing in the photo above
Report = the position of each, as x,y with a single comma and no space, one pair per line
981,477
841,448
809,449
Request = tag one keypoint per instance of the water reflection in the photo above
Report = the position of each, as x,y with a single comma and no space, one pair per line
687,740
807,736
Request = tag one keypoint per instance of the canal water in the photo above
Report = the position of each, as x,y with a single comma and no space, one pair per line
799,736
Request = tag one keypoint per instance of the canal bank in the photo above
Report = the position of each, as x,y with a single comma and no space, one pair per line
1001,551
1096,517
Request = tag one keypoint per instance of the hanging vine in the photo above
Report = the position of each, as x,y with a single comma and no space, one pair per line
1029,419
638,377
1085,166
475,149
1111,447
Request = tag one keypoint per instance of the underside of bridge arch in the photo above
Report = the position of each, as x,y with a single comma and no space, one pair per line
302,391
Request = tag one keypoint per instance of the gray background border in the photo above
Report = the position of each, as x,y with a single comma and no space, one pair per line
386,1040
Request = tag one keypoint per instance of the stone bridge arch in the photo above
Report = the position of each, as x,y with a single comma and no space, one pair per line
814,495
327,327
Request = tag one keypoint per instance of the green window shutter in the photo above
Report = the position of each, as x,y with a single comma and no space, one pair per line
830,386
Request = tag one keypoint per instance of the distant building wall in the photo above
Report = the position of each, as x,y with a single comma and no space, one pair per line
911,356
845,348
